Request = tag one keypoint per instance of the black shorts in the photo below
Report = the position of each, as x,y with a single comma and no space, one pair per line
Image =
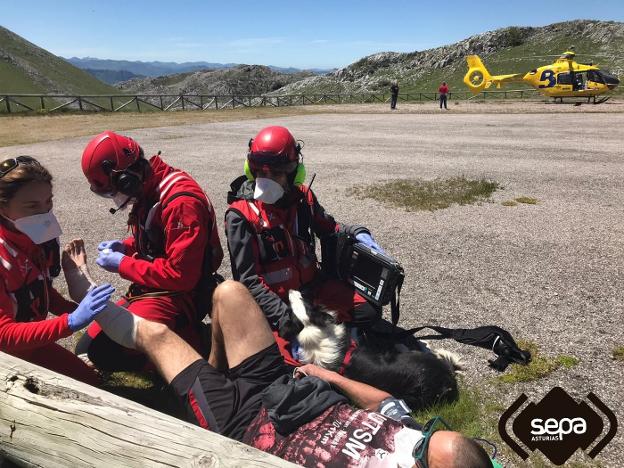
227,404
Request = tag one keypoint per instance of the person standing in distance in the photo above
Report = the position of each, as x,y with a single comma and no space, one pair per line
443,90
394,94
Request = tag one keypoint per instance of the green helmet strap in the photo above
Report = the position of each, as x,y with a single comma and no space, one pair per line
248,172
300,175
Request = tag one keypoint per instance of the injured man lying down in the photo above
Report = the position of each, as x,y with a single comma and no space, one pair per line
307,415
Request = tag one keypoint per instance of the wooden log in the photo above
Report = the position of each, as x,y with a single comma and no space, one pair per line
50,420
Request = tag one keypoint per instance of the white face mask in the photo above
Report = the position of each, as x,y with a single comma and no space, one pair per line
267,190
119,199
40,228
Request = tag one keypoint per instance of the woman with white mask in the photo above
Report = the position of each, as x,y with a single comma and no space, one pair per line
29,260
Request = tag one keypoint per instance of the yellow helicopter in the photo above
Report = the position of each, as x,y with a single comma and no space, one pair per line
565,78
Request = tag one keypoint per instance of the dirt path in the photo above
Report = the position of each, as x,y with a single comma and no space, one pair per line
16,130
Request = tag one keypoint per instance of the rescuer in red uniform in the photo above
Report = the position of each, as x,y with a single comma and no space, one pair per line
171,256
29,261
271,225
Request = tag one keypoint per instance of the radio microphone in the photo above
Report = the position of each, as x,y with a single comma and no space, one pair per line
121,207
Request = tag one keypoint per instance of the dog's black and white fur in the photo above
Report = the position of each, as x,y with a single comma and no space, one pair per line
419,378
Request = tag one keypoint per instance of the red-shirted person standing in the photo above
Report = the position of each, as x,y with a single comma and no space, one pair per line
29,260
171,256
443,90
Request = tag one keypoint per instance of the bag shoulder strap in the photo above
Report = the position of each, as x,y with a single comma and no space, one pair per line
182,194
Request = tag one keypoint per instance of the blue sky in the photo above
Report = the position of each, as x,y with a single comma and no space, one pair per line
321,33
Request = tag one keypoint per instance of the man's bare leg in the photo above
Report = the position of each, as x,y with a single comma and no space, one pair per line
239,327
74,262
239,330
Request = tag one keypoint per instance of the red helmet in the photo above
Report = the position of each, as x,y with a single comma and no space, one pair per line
273,146
107,154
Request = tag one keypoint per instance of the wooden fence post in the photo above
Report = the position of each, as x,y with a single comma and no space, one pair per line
47,419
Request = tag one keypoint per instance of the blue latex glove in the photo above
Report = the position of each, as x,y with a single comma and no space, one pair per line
109,260
295,349
112,245
366,239
93,303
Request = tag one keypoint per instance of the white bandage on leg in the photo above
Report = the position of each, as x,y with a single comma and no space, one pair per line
117,322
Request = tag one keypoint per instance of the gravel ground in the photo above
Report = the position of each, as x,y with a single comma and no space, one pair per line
550,273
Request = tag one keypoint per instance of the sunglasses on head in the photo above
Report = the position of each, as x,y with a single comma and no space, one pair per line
421,449
8,165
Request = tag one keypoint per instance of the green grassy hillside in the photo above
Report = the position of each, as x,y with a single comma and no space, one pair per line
27,68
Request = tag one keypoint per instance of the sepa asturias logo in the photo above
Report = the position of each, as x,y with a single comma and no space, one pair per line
553,429
558,426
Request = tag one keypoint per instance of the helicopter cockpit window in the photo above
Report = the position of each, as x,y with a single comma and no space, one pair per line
594,76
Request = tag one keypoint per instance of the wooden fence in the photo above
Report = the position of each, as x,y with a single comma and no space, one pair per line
50,420
48,103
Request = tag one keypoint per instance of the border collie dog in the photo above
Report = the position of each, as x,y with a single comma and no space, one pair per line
421,378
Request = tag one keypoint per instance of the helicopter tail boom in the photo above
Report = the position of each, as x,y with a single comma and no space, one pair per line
478,77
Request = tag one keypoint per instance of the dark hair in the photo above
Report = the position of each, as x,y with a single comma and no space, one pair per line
469,454
28,170
421,379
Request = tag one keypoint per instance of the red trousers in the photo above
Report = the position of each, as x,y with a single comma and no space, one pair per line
59,359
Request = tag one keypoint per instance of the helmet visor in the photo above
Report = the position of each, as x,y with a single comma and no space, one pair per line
272,164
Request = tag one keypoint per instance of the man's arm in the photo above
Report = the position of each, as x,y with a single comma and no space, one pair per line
363,395
18,336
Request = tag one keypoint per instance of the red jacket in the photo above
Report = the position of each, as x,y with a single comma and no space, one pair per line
272,248
172,225
27,295
443,89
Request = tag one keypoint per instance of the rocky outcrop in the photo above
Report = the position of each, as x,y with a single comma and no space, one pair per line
374,73
239,80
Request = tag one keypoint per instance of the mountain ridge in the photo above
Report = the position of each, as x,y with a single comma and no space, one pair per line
159,68
239,80
424,70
